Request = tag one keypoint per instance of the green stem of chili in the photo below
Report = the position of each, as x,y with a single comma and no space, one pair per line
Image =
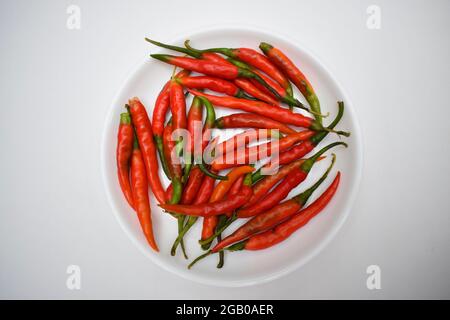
174,48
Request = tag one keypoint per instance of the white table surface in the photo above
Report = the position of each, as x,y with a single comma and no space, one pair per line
57,85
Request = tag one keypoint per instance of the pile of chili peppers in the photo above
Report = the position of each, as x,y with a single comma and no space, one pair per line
258,85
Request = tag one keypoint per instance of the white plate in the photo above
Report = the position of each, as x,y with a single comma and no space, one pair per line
241,268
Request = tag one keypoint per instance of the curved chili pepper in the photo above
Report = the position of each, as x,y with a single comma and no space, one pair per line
211,56
295,75
282,94
285,229
144,134
175,189
253,58
255,153
242,139
248,120
192,186
293,179
123,155
222,188
202,197
214,208
225,71
251,89
261,188
195,115
211,83
139,187
267,110
272,217
302,149
174,168
159,115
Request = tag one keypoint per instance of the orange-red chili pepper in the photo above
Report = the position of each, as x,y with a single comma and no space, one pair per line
251,89
139,187
159,115
293,179
195,116
192,186
249,120
123,155
274,112
253,58
261,188
272,217
214,208
175,169
304,147
285,229
211,83
295,75
242,139
144,134
255,153
220,191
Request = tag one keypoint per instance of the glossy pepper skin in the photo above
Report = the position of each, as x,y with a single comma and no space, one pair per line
210,83
253,58
294,74
272,217
215,69
247,86
240,140
144,134
139,187
124,150
192,186
175,169
255,153
293,179
195,115
248,120
261,108
285,229
162,104
262,187
214,208
305,147
219,193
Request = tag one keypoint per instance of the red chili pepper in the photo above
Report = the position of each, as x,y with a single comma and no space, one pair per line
123,155
214,208
169,191
293,179
192,186
248,120
295,75
202,197
261,188
144,134
159,115
177,106
256,153
211,83
274,112
285,229
251,89
235,188
242,139
176,172
195,115
305,147
272,217
253,58
139,187
220,191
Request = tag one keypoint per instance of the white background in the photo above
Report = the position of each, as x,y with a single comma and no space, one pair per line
56,86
